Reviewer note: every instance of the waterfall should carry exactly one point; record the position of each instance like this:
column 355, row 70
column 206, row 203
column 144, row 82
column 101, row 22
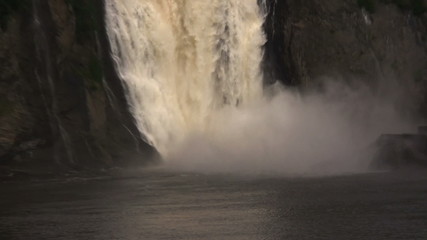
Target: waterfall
column 183, row 61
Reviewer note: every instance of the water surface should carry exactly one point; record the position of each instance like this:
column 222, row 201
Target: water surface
column 162, row 205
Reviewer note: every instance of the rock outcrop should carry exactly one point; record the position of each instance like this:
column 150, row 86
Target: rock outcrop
column 400, row 151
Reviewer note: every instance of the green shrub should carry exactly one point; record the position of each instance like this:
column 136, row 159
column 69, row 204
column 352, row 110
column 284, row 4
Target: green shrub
column 9, row 7
column 5, row 106
column 86, row 14
column 95, row 73
column 417, row 7
column 92, row 72
column 368, row 5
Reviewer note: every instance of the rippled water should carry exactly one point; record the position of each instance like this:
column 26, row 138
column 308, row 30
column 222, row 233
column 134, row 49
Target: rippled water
column 159, row 205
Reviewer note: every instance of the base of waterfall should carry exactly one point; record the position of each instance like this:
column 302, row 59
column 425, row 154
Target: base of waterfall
column 332, row 132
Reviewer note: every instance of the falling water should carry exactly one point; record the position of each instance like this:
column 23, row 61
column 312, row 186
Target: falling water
column 184, row 61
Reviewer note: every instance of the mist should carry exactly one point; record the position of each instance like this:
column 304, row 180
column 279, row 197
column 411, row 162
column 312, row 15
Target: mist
column 327, row 132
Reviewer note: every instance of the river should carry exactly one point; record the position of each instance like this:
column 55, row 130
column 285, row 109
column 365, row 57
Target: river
column 150, row 204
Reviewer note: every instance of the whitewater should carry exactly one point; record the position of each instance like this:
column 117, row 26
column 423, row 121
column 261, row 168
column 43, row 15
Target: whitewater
column 184, row 61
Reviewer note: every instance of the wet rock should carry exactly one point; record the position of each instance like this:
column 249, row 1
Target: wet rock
column 422, row 130
column 401, row 150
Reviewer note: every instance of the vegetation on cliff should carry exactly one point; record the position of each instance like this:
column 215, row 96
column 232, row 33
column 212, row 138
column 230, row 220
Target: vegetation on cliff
column 417, row 7
column 8, row 8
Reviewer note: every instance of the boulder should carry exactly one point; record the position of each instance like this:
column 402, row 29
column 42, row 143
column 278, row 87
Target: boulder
column 401, row 150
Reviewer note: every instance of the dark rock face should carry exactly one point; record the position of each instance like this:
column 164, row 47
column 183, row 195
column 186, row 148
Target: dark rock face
column 61, row 102
column 398, row 151
column 422, row 130
column 384, row 48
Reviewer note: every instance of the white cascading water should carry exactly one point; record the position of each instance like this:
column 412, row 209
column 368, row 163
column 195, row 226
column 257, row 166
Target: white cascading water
column 183, row 61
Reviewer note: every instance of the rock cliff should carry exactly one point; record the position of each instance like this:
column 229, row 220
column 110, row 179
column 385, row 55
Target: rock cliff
column 379, row 43
column 61, row 102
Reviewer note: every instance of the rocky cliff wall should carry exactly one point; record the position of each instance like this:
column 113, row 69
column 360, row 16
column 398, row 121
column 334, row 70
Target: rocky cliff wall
column 375, row 42
column 61, row 103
